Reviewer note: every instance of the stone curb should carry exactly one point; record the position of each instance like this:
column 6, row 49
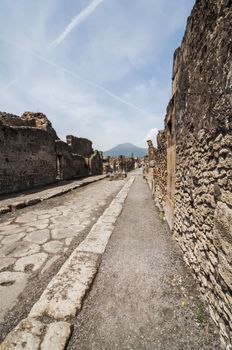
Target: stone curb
column 32, row 201
column 64, row 295
column 31, row 334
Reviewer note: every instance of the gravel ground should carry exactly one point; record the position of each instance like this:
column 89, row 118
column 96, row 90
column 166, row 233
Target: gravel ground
column 144, row 296
column 37, row 282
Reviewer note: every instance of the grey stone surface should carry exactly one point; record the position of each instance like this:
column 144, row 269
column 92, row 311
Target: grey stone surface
column 5, row 262
column 39, row 237
column 56, row 337
column 63, row 296
column 23, row 249
column 31, row 334
column 34, row 261
column 13, row 238
column 53, row 247
column 11, row 285
column 50, row 262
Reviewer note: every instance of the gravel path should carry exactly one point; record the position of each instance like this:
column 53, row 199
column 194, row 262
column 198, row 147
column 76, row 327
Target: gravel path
column 144, row 297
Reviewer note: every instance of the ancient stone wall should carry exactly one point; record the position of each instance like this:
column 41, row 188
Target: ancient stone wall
column 203, row 128
column 31, row 153
column 69, row 165
column 80, row 145
column 159, row 188
column 27, row 158
column 95, row 163
column 198, row 127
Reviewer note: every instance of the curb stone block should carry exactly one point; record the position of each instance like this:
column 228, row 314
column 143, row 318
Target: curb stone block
column 31, row 334
column 64, row 294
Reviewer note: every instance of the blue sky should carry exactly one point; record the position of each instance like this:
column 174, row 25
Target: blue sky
column 99, row 69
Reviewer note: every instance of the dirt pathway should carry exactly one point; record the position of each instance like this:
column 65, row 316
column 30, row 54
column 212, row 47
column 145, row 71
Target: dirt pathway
column 144, row 297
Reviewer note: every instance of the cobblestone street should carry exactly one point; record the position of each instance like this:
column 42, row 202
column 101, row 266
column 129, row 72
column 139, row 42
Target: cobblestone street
column 33, row 239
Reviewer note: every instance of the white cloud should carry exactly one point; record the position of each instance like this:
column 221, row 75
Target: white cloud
column 77, row 21
column 151, row 135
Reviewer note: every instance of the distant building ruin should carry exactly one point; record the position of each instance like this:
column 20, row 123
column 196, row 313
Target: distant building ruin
column 190, row 173
column 33, row 155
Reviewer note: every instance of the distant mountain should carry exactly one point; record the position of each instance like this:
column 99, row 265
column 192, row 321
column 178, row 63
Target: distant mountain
column 126, row 149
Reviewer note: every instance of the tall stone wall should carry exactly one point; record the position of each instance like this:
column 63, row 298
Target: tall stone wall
column 27, row 158
column 31, row 153
column 202, row 88
column 198, row 127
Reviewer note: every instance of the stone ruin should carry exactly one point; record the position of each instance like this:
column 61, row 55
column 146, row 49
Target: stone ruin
column 33, row 155
column 119, row 164
column 190, row 171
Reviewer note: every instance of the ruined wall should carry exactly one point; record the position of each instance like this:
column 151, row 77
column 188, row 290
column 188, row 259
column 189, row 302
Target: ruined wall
column 80, row 145
column 27, row 158
column 198, row 126
column 159, row 172
column 31, row 153
column 95, row 163
column 69, row 165
column 196, row 195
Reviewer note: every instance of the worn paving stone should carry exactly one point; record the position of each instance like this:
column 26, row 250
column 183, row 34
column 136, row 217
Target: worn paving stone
column 59, row 233
column 20, row 249
column 31, row 334
column 6, row 222
column 39, row 237
column 39, row 223
column 56, row 337
column 53, row 247
column 24, row 337
column 27, row 217
column 96, row 241
column 63, row 296
column 14, row 283
column 10, row 230
column 35, row 261
column 50, row 262
column 13, row 238
column 68, row 241
column 5, row 262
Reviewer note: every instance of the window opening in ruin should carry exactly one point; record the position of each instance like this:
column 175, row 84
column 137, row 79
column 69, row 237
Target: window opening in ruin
column 169, row 125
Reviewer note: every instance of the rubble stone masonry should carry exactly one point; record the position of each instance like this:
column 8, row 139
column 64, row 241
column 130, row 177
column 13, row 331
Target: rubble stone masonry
column 31, row 154
column 196, row 196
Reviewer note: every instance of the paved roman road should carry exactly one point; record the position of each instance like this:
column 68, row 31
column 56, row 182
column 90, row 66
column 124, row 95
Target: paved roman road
column 143, row 296
column 35, row 239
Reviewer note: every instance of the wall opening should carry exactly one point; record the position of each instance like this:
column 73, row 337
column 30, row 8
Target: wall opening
column 59, row 172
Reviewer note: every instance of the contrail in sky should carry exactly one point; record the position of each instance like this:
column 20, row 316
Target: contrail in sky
column 69, row 72
column 76, row 21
